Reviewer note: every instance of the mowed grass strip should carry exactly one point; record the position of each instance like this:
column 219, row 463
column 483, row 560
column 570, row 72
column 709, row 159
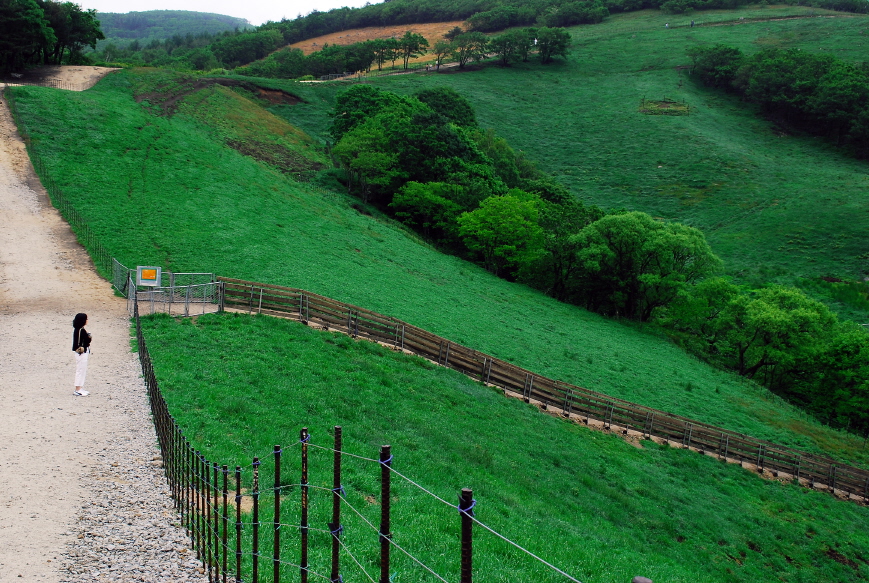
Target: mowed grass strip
column 600, row 508
column 165, row 191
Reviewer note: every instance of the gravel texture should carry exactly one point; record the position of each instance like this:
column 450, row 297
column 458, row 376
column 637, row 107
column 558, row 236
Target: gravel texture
column 84, row 497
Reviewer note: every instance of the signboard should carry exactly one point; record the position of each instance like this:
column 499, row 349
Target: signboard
column 148, row 276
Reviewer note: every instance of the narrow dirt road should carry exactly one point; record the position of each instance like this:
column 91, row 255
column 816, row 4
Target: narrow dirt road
column 83, row 497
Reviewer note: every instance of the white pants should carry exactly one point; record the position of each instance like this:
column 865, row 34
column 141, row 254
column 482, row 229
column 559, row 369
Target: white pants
column 81, row 368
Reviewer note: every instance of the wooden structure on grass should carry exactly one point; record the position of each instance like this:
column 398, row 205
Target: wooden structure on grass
column 558, row 397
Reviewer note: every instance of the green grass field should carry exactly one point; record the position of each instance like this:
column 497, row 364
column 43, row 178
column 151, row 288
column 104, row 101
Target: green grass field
column 166, row 191
column 775, row 205
column 178, row 191
column 592, row 504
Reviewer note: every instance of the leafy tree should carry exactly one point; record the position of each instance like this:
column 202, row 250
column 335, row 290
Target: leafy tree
column 441, row 49
column 366, row 153
column 24, row 33
column 552, row 42
column 73, row 27
column 557, row 268
column 385, row 49
column 526, row 39
column 506, row 46
column 450, row 104
column 716, row 65
column 503, row 231
column 412, row 45
column 358, row 103
column 247, row 47
column 453, row 33
column 632, row 265
column 470, row 46
column 430, row 208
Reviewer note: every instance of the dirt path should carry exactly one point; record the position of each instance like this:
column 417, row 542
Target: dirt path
column 56, row 450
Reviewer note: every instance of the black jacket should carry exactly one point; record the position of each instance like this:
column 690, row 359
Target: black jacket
column 81, row 337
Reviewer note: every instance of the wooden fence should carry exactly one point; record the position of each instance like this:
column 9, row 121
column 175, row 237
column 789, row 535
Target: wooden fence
column 552, row 395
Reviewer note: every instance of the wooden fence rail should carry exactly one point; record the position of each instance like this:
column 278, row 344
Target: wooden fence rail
column 553, row 395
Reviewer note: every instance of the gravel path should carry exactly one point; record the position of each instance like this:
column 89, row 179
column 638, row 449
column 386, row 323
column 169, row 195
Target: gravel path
column 84, row 498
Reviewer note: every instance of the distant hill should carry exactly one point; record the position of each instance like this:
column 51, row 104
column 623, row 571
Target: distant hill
column 122, row 29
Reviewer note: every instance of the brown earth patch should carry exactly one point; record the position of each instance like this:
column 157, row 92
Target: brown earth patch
column 840, row 558
column 432, row 32
column 277, row 155
column 167, row 98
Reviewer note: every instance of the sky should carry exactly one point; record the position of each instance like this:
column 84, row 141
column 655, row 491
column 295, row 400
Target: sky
column 256, row 11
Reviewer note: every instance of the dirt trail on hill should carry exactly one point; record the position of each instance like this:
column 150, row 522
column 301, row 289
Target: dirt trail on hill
column 62, row 456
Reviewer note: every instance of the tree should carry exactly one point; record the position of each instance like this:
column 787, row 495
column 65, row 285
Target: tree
column 24, row 33
column 552, row 42
column 559, row 265
column 470, row 46
column 632, row 265
column 450, row 104
column 506, row 46
column 430, row 208
column 385, row 49
column 441, row 49
column 453, row 33
column 366, row 154
column 412, row 45
column 716, row 65
column 73, row 27
column 503, row 231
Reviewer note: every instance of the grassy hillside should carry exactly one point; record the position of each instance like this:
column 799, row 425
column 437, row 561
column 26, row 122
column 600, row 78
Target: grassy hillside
column 598, row 507
column 774, row 204
column 166, row 190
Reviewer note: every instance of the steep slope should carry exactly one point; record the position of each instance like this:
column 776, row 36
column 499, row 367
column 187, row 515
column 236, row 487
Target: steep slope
column 165, row 190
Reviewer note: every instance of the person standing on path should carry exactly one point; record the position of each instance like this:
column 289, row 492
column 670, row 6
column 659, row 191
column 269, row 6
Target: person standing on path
column 81, row 343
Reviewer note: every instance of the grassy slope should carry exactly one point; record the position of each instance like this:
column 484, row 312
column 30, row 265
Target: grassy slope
column 172, row 195
column 572, row 495
column 774, row 206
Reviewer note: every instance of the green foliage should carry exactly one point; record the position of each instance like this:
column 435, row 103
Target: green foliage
column 74, row 29
column 503, row 231
column 24, row 33
column 123, row 29
column 412, row 45
column 470, row 46
column 552, row 42
column 235, row 50
column 818, row 92
column 450, row 104
column 431, row 208
column 716, row 65
column 632, row 265
column 791, row 343
column 43, row 31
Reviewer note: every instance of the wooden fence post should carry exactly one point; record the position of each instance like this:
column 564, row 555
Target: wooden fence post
column 466, row 509
column 255, row 495
column 335, row 526
column 385, row 534
column 303, row 522
column 276, row 523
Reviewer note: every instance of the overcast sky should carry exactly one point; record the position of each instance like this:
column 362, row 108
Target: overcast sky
column 256, row 11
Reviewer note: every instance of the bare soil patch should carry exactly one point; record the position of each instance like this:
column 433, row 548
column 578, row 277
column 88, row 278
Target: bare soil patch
column 77, row 77
column 167, row 97
column 432, row 32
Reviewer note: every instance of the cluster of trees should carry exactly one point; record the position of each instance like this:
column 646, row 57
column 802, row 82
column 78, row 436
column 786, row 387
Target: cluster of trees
column 201, row 51
column 783, row 339
column 818, row 93
column 424, row 160
column 458, row 45
column 163, row 24
column 44, row 32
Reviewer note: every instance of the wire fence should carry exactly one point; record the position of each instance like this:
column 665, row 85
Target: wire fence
column 239, row 519
column 52, row 83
